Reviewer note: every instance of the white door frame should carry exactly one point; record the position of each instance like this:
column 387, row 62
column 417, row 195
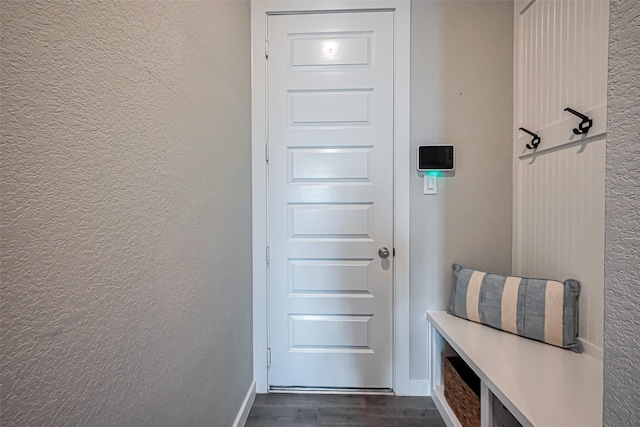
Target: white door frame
column 402, row 169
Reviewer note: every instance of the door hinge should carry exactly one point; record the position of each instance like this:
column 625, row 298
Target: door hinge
column 394, row 251
column 268, row 357
column 266, row 49
column 266, row 151
column 268, row 255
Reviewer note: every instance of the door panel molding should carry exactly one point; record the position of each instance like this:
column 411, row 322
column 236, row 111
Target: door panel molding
column 259, row 12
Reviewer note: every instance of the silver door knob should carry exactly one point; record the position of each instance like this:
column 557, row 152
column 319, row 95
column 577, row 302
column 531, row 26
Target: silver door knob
column 383, row 252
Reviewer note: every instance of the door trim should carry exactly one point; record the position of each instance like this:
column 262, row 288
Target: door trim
column 402, row 169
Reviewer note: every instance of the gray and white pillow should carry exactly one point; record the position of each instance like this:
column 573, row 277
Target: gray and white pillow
column 543, row 310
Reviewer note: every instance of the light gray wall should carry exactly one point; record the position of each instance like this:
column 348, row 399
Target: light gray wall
column 622, row 220
column 126, row 270
column 461, row 94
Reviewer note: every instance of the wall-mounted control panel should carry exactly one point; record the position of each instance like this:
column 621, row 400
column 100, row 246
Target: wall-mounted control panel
column 436, row 158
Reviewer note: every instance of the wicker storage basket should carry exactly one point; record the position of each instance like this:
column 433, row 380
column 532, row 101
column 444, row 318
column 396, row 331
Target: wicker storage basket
column 462, row 391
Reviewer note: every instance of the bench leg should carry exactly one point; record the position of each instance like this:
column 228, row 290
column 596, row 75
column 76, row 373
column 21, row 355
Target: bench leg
column 486, row 406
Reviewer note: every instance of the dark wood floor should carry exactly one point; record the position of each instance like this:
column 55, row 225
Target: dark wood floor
column 306, row 410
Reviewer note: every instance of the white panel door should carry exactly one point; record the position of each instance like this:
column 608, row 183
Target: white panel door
column 330, row 198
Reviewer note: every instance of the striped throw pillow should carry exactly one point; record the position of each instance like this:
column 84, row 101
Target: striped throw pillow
column 543, row 310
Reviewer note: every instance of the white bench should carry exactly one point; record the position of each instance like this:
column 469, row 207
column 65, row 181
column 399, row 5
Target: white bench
column 541, row 385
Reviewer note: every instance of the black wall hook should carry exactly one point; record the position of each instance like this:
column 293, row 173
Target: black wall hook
column 534, row 142
column 584, row 125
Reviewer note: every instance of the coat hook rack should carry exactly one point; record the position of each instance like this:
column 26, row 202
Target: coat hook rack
column 584, row 125
column 534, row 142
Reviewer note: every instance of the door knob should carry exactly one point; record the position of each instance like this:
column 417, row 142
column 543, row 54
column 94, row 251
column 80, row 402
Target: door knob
column 383, row 252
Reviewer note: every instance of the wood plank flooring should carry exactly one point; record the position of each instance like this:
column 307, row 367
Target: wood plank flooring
column 307, row 410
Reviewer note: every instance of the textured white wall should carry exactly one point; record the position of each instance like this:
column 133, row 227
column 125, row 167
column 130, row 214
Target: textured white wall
column 622, row 221
column 126, row 271
column 461, row 94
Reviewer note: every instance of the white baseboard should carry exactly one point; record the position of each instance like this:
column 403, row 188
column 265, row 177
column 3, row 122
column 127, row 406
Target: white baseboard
column 592, row 350
column 243, row 413
column 419, row 388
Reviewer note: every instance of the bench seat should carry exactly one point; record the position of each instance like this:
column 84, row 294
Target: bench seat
column 541, row 385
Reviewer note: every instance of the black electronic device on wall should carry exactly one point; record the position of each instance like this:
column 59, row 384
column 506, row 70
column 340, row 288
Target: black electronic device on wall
column 436, row 158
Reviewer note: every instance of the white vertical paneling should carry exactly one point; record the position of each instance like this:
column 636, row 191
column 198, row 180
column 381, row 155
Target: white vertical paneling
column 574, row 42
column 561, row 61
column 565, row 58
column 561, row 232
column 563, row 49
column 593, row 26
column 601, row 49
column 548, row 61
column 529, row 83
column 537, row 65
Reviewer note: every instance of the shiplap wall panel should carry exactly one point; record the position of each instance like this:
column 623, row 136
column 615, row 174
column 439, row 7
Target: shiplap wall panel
column 560, row 225
column 561, row 61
